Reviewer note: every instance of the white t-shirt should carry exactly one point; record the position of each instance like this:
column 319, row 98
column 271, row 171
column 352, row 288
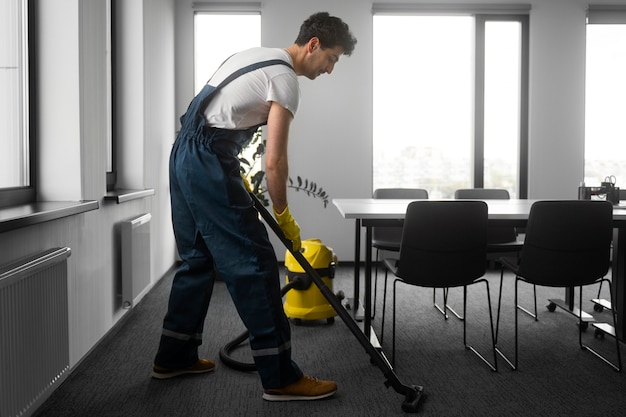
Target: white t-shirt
column 246, row 101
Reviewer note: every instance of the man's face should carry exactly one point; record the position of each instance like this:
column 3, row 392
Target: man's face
column 321, row 60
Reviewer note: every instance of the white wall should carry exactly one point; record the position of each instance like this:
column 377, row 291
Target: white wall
column 71, row 126
column 557, row 80
column 130, row 106
column 331, row 135
column 59, row 125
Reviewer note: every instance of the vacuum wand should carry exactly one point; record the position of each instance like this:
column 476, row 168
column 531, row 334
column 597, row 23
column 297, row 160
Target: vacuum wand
column 412, row 393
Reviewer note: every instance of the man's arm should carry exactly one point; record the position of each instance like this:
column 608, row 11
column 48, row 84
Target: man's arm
column 276, row 155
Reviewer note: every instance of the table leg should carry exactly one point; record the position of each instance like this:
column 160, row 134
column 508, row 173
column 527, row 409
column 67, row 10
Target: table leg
column 357, row 265
column 367, row 325
column 569, row 297
column 618, row 280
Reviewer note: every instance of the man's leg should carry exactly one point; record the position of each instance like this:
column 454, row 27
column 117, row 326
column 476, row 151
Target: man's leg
column 191, row 289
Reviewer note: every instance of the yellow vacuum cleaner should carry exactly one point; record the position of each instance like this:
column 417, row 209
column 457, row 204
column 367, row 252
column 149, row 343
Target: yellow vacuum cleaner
column 305, row 301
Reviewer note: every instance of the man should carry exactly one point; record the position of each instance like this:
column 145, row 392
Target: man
column 217, row 228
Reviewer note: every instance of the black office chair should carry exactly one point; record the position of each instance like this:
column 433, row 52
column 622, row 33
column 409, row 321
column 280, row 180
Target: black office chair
column 567, row 245
column 388, row 238
column 443, row 245
column 501, row 240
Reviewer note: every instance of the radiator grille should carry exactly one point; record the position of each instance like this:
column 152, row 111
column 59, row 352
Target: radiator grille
column 135, row 259
column 34, row 330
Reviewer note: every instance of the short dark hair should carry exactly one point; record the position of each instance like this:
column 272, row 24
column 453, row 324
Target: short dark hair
column 330, row 30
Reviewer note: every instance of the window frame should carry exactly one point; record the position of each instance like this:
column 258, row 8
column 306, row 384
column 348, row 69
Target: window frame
column 111, row 176
column 27, row 194
column 479, row 95
column 483, row 14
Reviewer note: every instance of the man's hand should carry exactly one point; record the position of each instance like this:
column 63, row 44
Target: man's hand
column 290, row 227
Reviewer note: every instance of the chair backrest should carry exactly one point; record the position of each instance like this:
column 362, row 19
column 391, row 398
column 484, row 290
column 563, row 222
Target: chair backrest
column 567, row 242
column 482, row 194
column 405, row 193
column 392, row 235
column 496, row 234
column 443, row 243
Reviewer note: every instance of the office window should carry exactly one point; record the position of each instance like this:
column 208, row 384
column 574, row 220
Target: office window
column 219, row 35
column 605, row 101
column 16, row 75
column 502, row 105
column 449, row 102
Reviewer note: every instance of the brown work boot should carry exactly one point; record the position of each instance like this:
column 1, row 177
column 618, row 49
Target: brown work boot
column 305, row 389
column 200, row 367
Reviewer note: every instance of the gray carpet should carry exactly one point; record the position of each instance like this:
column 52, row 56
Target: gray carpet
column 555, row 377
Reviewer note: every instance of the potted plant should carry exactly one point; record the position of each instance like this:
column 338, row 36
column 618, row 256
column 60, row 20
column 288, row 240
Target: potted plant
column 250, row 160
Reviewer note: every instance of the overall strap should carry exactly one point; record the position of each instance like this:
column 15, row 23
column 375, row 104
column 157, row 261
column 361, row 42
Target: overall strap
column 251, row 67
column 239, row 73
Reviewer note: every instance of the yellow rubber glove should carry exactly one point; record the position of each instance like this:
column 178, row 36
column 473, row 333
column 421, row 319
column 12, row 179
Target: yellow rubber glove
column 290, row 228
column 246, row 183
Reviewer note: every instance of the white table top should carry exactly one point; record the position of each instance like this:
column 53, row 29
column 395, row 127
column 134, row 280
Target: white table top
column 370, row 208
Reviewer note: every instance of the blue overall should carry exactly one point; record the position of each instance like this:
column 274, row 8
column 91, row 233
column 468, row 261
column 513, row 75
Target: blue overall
column 218, row 231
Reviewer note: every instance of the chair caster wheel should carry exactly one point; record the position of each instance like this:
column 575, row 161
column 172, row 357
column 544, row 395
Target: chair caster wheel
column 598, row 308
column 599, row 334
column 330, row 320
column 583, row 325
column 551, row 307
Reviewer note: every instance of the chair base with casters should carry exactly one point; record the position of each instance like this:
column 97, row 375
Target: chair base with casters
column 600, row 304
column 568, row 306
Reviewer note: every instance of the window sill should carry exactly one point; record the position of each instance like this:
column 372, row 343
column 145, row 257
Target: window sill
column 122, row 196
column 24, row 215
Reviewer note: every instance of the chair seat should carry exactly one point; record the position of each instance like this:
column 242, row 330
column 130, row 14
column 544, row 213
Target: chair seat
column 390, row 245
column 510, row 263
column 387, row 238
column 391, row 263
column 515, row 246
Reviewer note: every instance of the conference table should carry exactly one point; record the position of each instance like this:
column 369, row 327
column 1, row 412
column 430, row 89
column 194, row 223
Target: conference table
column 369, row 212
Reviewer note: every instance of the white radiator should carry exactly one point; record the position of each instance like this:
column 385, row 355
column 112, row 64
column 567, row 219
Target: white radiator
column 34, row 330
column 135, row 259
